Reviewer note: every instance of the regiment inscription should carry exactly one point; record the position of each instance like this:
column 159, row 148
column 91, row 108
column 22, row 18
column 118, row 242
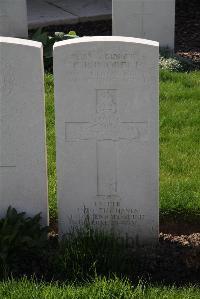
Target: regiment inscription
column 106, row 128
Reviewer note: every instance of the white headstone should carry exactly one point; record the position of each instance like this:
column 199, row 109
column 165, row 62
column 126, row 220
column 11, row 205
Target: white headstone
column 23, row 176
column 106, row 99
column 150, row 19
column 13, row 18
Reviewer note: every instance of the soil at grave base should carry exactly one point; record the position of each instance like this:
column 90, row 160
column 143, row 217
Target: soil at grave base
column 170, row 225
column 176, row 258
column 187, row 32
column 178, row 253
column 188, row 26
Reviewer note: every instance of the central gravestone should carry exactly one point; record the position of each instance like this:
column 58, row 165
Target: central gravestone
column 106, row 97
column 13, row 18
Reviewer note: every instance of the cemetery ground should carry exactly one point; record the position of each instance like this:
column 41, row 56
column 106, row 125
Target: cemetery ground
column 99, row 289
column 87, row 264
column 179, row 150
column 178, row 253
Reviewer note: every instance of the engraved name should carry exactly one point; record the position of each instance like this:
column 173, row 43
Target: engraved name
column 114, row 65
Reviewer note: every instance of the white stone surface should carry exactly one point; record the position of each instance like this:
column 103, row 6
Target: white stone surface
column 44, row 13
column 106, row 99
column 86, row 10
column 23, row 175
column 58, row 12
column 13, row 18
column 150, row 19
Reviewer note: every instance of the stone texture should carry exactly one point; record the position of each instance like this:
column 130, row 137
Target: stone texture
column 58, row 12
column 86, row 10
column 44, row 13
column 150, row 19
column 13, row 18
column 23, row 176
column 106, row 98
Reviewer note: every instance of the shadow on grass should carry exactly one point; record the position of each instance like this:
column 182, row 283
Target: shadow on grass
column 87, row 254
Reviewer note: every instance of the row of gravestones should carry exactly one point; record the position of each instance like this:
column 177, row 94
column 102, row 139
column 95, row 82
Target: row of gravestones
column 150, row 19
column 106, row 100
column 106, row 107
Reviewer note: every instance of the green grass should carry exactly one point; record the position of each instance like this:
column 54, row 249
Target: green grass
column 51, row 144
column 179, row 144
column 99, row 289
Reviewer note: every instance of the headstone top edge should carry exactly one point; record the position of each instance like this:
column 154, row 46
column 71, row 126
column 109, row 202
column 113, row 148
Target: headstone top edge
column 20, row 41
column 107, row 39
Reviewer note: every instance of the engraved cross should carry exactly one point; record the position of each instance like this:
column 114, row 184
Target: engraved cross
column 142, row 16
column 107, row 130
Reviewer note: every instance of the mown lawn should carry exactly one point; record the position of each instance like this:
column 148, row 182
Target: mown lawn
column 179, row 144
column 99, row 289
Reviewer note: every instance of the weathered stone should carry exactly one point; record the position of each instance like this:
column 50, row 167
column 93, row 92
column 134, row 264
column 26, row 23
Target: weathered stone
column 106, row 97
column 150, row 19
column 23, row 177
column 13, row 18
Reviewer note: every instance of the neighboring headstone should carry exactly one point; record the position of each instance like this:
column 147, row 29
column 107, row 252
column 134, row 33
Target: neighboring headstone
column 13, row 18
column 23, row 175
column 149, row 19
column 106, row 99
